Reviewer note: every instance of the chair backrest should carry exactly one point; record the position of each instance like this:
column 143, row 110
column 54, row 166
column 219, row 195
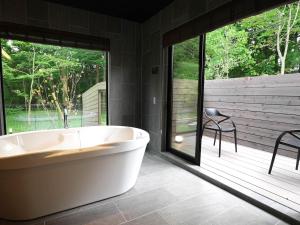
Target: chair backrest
column 212, row 112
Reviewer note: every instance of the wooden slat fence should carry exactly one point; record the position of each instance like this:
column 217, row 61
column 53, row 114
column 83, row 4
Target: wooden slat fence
column 93, row 104
column 262, row 107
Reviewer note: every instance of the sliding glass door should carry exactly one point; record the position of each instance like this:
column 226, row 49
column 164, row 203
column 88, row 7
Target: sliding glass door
column 184, row 87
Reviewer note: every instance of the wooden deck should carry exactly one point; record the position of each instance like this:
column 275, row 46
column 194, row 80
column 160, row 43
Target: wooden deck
column 249, row 169
column 262, row 107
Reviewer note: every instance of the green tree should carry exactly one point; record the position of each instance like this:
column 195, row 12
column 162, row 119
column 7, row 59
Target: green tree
column 227, row 49
column 263, row 30
column 186, row 59
column 287, row 19
column 50, row 75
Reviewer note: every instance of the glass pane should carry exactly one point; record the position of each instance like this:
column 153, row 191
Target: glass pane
column 252, row 76
column 185, row 95
column 40, row 81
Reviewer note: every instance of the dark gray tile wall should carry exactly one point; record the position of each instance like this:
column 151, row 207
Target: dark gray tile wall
column 153, row 84
column 125, row 55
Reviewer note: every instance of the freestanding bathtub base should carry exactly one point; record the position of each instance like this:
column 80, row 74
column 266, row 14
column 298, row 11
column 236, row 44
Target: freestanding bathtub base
column 37, row 183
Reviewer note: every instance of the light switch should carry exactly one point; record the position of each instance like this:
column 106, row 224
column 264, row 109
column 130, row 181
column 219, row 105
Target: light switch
column 154, row 100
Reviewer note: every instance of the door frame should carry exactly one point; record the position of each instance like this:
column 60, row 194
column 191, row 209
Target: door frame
column 2, row 108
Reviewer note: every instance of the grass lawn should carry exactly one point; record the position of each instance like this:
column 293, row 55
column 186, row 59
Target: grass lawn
column 16, row 120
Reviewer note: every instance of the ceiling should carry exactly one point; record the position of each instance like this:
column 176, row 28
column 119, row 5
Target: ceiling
column 138, row 11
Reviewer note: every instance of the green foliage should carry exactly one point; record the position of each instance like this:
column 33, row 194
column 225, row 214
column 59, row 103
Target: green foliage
column 186, row 70
column 245, row 48
column 227, row 49
column 46, row 64
column 186, row 58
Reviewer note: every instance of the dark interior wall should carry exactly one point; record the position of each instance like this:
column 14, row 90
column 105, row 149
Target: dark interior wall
column 124, row 35
column 154, row 84
column 155, row 56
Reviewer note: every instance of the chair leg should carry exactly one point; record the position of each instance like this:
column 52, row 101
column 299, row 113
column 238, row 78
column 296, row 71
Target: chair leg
column 220, row 141
column 273, row 157
column 298, row 159
column 201, row 133
column 215, row 137
column 235, row 141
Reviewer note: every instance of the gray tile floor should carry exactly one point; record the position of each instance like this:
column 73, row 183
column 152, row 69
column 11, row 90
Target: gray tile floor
column 163, row 195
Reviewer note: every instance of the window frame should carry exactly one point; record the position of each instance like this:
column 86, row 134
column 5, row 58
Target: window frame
column 3, row 127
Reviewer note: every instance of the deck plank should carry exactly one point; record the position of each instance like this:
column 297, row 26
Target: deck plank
column 248, row 168
column 250, row 171
column 260, row 165
column 254, row 188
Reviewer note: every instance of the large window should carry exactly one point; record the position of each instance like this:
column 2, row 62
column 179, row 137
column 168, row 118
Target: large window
column 41, row 80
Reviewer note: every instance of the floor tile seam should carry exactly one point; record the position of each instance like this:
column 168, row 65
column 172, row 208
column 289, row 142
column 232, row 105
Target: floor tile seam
column 121, row 213
column 162, row 208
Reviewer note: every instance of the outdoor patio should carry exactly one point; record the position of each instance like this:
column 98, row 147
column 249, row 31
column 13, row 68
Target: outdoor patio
column 248, row 168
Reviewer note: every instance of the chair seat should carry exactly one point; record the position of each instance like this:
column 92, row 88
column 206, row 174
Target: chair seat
column 291, row 142
column 223, row 129
column 213, row 119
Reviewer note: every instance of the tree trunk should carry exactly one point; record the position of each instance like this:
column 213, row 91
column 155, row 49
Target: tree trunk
column 31, row 88
column 226, row 55
column 97, row 74
column 57, row 105
column 282, row 69
column 65, row 89
column 289, row 24
column 25, row 97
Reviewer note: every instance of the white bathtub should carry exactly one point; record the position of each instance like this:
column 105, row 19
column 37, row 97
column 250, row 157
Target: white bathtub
column 45, row 172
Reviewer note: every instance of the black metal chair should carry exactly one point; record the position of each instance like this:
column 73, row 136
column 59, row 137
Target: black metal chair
column 215, row 125
column 293, row 143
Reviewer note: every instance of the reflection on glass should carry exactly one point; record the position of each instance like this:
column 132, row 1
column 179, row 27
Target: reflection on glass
column 185, row 95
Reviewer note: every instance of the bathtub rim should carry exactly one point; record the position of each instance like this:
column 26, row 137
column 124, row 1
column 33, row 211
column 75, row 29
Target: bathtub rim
column 40, row 158
column 67, row 129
